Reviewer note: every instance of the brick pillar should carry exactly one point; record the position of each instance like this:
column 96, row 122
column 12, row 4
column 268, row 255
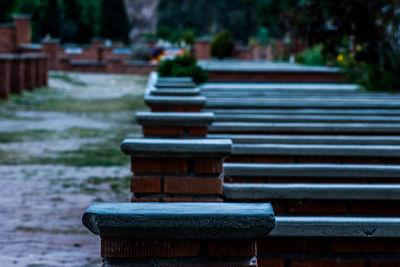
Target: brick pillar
column 64, row 63
column 105, row 52
column 114, row 65
column 22, row 29
column 175, row 103
column 5, row 76
column 179, row 234
column 30, row 72
column 17, row 74
column 97, row 43
column 38, row 70
column 50, row 48
column 44, row 71
column 173, row 170
column 175, row 124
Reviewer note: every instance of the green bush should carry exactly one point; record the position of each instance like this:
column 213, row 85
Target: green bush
column 222, row 45
column 182, row 66
column 312, row 56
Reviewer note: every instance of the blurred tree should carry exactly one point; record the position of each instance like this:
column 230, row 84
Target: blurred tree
column 113, row 21
column 51, row 18
column 6, row 9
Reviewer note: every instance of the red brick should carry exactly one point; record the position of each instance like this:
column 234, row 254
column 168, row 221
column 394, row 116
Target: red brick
column 290, row 244
column 198, row 131
column 320, row 159
column 162, row 130
column 207, row 199
column 363, row 160
column 159, row 109
column 270, row 262
column 146, row 184
column 193, row 109
column 385, row 263
column 317, row 207
column 327, row 263
column 237, row 248
column 364, row 245
column 145, row 199
column 159, row 165
column 121, row 247
column 365, row 207
column 177, row 199
column 208, row 165
column 273, row 159
column 177, row 109
column 186, row 185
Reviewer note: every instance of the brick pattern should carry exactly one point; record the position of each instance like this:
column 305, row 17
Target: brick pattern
column 176, row 179
column 5, row 78
column 174, row 131
column 331, row 252
column 236, row 253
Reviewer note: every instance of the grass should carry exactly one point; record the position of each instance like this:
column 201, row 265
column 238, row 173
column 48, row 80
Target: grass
column 23, row 136
column 67, row 78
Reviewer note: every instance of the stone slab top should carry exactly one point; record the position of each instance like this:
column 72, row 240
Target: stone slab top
column 280, row 127
column 192, row 101
column 174, row 85
column 152, row 147
column 282, row 86
column 317, row 150
column 245, row 191
column 308, row 139
column 336, row 226
column 312, row 170
column 175, row 118
column 176, row 92
column 174, row 79
column 180, row 220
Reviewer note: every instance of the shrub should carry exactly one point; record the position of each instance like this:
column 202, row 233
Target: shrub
column 188, row 37
column 141, row 52
column 312, row 56
column 222, row 44
column 182, row 66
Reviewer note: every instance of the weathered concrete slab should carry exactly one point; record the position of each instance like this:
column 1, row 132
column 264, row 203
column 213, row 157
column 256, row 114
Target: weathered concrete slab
column 174, row 85
column 175, row 118
column 279, row 87
column 244, row 191
column 305, row 118
column 176, row 92
column 309, row 111
column 317, row 150
column 329, row 128
column 309, row 139
column 312, row 170
column 180, row 220
column 177, row 147
column 174, row 79
column 315, row 226
column 195, row 101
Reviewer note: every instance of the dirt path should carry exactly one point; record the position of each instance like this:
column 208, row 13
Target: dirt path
column 59, row 152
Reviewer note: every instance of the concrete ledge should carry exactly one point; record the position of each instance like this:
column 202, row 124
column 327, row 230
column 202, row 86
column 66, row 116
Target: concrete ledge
column 176, row 92
column 312, row 191
column 280, row 87
column 308, row 139
column 312, row 170
column 175, row 118
column 317, row 150
column 174, row 85
column 180, row 220
column 252, row 127
column 313, row 226
column 306, row 118
column 174, row 79
column 177, row 147
column 195, row 101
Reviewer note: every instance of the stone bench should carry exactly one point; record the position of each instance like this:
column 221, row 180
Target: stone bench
column 185, row 79
column 179, row 234
column 175, row 92
column 175, row 124
column 160, row 85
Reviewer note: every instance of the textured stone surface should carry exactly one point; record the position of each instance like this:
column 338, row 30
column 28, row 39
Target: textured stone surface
column 176, row 92
column 312, row 170
column 174, row 85
column 176, row 147
column 195, row 101
column 332, row 226
column 175, row 118
column 312, row 191
column 180, row 220
column 174, row 79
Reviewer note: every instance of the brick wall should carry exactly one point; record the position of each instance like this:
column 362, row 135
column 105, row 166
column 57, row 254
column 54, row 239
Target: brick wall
column 7, row 37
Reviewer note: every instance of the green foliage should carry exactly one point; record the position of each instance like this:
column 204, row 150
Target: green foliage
column 188, row 37
column 222, row 45
column 165, row 32
column 114, row 21
column 182, row 66
column 6, row 8
column 312, row 56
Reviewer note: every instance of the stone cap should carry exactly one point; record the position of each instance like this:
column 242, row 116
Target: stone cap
column 245, row 191
column 176, row 92
column 185, row 79
column 154, row 148
column 194, row 101
column 174, row 84
column 312, row 170
column 317, row 150
column 175, row 118
column 180, row 220
column 336, row 226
